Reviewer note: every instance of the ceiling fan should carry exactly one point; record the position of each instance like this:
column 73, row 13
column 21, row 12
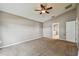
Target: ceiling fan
column 44, row 9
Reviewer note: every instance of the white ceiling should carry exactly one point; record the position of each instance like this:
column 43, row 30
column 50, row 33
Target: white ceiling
column 27, row 10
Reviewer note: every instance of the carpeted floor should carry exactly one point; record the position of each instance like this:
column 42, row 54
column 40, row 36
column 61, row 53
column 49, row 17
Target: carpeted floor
column 41, row 47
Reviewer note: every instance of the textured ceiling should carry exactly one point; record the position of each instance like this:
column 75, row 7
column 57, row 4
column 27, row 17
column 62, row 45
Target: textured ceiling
column 27, row 10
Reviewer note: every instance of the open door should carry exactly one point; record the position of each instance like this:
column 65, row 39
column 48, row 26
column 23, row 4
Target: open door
column 55, row 30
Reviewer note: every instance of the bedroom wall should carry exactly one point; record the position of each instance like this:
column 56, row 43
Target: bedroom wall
column 61, row 19
column 15, row 29
column 47, row 29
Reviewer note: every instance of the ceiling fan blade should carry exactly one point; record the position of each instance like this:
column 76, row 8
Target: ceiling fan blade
column 42, row 6
column 49, row 8
column 47, row 12
column 37, row 10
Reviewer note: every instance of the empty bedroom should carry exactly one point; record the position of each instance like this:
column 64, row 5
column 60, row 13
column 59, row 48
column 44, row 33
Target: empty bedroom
column 39, row 29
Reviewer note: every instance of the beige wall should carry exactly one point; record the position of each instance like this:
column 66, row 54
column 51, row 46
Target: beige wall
column 16, row 29
column 62, row 19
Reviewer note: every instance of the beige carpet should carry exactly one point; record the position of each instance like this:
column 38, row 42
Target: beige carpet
column 41, row 47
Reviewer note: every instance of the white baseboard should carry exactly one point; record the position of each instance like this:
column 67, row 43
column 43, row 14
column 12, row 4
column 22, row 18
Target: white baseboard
column 19, row 42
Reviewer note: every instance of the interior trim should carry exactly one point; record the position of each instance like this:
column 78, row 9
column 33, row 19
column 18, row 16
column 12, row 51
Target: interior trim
column 20, row 42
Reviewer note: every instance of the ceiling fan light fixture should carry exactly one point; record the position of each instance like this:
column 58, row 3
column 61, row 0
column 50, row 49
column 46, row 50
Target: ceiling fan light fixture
column 43, row 11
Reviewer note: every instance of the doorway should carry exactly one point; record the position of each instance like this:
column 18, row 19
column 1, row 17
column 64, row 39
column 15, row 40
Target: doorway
column 55, row 30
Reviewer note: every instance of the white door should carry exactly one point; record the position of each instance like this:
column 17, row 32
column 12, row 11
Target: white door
column 70, row 31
